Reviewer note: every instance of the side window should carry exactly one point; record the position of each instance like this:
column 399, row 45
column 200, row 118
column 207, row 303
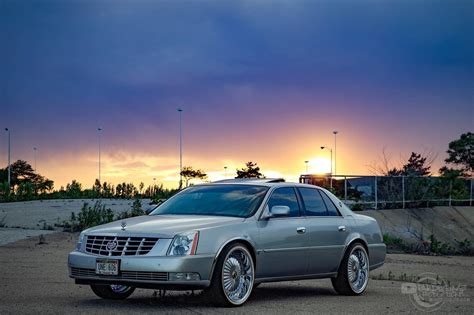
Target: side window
column 313, row 202
column 332, row 210
column 285, row 197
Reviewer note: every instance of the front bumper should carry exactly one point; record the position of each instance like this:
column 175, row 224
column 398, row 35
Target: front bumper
column 143, row 271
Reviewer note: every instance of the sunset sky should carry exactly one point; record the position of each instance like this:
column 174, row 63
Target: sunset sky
column 265, row 81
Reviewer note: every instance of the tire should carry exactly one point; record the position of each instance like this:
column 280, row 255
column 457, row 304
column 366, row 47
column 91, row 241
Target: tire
column 112, row 292
column 233, row 277
column 353, row 274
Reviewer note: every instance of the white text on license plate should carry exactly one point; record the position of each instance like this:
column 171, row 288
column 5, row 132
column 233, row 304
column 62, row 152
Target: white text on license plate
column 107, row 267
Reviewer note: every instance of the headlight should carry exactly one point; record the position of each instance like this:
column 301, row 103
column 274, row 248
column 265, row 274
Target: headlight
column 80, row 241
column 184, row 244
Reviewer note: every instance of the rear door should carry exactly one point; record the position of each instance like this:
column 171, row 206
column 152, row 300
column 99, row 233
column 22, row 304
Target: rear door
column 327, row 231
column 283, row 239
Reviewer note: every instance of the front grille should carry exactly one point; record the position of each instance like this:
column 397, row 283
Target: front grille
column 124, row 275
column 119, row 245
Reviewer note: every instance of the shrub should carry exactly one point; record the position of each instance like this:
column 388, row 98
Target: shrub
column 89, row 217
column 437, row 247
column 464, row 247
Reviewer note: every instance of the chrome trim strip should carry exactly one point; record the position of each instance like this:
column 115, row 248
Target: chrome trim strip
column 299, row 277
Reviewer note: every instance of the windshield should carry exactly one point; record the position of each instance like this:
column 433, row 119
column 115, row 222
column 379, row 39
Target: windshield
column 220, row 200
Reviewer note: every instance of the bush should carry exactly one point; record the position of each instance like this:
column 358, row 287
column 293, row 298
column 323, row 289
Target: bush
column 135, row 212
column 89, row 217
column 437, row 247
column 464, row 247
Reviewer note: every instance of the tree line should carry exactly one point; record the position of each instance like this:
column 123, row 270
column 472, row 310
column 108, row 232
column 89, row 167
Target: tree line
column 26, row 184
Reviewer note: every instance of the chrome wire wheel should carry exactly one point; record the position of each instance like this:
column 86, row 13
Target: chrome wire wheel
column 117, row 288
column 358, row 269
column 238, row 275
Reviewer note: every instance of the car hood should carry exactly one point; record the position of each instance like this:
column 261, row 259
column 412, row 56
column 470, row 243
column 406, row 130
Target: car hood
column 162, row 226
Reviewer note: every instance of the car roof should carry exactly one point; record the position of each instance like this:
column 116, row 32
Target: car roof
column 269, row 182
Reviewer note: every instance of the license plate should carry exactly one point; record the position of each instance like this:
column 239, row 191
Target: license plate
column 107, row 267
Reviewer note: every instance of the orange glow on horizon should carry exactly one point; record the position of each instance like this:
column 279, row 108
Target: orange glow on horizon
column 319, row 165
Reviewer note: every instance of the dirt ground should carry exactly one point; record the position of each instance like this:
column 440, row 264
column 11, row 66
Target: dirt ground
column 34, row 279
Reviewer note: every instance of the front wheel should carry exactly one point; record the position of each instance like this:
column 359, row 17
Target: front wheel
column 112, row 292
column 353, row 274
column 233, row 277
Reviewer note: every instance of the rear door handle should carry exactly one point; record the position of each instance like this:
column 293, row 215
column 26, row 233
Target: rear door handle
column 342, row 228
column 301, row 230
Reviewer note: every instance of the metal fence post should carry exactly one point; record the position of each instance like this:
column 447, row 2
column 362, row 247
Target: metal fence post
column 450, row 190
column 345, row 189
column 375, row 192
column 403, row 191
column 470, row 199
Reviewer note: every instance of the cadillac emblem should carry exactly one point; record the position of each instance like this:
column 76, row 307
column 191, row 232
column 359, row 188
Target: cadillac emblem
column 111, row 245
column 124, row 225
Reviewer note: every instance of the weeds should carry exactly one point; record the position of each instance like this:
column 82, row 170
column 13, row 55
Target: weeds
column 99, row 214
column 432, row 246
column 464, row 247
column 89, row 217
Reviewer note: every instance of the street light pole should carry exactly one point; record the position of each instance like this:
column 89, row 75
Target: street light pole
column 330, row 150
column 9, row 157
column 180, row 111
column 225, row 171
column 335, row 132
column 306, row 162
column 99, row 130
column 34, row 155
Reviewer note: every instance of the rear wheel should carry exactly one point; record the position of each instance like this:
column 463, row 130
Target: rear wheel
column 112, row 292
column 233, row 277
column 353, row 274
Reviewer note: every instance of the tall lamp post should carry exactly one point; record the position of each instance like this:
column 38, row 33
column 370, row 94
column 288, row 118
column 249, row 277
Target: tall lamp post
column 306, row 162
column 99, row 131
column 330, row 150
column 180, row 111
column 335, row 132
column 225, row 171
column 34, row 156
column 9, row 157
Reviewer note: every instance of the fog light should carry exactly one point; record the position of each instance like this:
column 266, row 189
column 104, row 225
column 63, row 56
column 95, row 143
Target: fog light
column 184, row 276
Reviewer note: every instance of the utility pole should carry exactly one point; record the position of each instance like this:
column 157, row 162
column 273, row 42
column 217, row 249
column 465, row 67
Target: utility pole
column 9, row 160
column 330, row 150
column 335, row 132
column 180, row 111
column 34, row 155
column 99, row 130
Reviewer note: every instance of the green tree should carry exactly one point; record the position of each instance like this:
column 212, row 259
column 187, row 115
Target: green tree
column 189, row 173
column 74, row 189
column 416, row 166
column 461, row 152
column 251, row 170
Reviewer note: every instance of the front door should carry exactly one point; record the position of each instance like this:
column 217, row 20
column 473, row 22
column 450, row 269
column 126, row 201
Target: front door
column 282, row 240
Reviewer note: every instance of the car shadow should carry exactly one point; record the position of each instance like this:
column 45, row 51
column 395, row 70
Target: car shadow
column 186, row 299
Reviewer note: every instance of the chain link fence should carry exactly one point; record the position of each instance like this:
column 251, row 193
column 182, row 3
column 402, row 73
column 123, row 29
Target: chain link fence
column 394, row 192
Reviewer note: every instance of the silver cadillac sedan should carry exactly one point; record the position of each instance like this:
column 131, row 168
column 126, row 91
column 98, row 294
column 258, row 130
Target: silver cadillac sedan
column 228, row 237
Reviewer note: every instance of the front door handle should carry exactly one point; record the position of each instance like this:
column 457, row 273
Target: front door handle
column 301, row 230
column 342, row 228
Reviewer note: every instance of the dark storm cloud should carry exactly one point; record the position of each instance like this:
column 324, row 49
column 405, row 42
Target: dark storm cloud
column 70, row 66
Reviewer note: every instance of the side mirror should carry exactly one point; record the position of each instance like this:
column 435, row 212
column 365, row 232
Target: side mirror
column 279, row 211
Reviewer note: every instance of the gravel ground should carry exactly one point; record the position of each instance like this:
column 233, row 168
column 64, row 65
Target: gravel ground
column 34, row 279
column 8, row 235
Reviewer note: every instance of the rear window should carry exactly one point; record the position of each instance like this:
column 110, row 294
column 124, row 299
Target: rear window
column 332, row 210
